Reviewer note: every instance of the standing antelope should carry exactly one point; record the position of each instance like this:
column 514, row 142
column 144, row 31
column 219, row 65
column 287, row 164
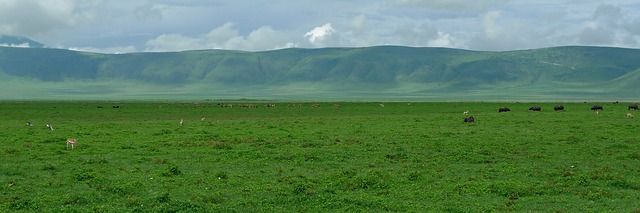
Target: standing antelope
column 465, row 112
column 72, row 142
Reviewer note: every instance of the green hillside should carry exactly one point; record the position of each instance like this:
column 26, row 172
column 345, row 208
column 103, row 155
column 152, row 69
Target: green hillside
column 371, row 73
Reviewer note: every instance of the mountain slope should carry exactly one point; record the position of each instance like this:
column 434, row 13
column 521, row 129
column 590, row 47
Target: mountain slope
column 337, row 72
column 17, row 41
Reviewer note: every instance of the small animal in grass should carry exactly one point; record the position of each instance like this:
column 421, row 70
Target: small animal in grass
column 470, row 119
column 72, row 142
column 596, row 108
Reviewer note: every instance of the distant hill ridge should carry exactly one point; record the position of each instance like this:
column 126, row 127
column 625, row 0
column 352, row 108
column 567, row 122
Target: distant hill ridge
column 571, row 71
column 18, row 41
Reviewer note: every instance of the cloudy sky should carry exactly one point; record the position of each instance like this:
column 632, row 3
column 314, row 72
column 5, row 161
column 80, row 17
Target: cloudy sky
column 113, row 26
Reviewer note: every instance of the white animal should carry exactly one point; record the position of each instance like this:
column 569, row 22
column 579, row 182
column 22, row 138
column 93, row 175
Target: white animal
column 72, row 142
column 50, row 127
column 629, row 115
column 181, row 122
column 466, row 112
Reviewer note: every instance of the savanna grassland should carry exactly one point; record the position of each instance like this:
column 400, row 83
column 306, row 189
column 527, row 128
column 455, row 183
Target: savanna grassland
column 361, row 157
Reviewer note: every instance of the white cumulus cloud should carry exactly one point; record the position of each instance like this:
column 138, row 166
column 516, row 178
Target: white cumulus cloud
column 23, row 45
column 224, row 37
column 108, row 50
column 319, row 33
column 29, row 17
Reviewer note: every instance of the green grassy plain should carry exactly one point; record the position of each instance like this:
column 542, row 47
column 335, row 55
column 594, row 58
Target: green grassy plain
column 417, row 157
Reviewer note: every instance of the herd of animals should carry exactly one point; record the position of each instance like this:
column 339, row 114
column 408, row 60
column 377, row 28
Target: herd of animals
column 72, row 141
column 596, row 108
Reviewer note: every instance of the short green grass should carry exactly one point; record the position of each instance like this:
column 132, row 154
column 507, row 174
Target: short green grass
column 417, row 157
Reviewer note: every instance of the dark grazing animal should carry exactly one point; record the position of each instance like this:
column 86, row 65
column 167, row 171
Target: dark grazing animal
column 559, row 107
column 596, row 108
column 633, row 107
column 504, row 109
column 535, row 108
column 469, row 119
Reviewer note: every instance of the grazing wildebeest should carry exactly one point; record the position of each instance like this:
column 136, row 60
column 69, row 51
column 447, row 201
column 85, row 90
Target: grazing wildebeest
column 596, row 107
column 469, row 119
column 633, row 107
column 535, row 108
column 504, row 109
column 559, row 107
